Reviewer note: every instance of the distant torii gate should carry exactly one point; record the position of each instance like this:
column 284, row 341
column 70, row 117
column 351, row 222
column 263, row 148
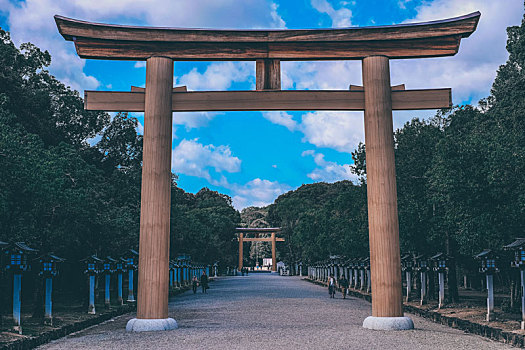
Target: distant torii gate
column 375, row 46
column 257, row 231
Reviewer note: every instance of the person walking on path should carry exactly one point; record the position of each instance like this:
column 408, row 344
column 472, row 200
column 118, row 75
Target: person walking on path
column 204, row 282
column 331, row 286
column 343, row 283
column 194, row 284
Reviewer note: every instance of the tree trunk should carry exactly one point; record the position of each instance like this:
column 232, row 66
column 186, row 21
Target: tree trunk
column 453, row 294
column 38, row 298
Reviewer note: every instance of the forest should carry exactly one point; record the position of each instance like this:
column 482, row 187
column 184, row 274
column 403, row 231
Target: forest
column 71, row 178
column 460, row 184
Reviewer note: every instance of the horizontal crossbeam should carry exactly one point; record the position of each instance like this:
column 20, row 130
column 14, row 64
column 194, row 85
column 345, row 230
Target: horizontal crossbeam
column 258, row 229
column 268, row 239
column 287, row 100
column 106, row 41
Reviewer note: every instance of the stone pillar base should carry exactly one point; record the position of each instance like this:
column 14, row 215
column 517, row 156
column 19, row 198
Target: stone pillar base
column 148, row 325
column 388, row 323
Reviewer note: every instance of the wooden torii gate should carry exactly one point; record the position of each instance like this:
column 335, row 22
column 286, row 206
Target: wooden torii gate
column 375, row 46
column 257, row 231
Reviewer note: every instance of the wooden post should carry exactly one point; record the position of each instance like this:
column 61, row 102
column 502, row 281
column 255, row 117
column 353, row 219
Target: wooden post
column 490, row 297
column 152, row 297
column 106, row 290
column 385, row 259
column 241, row 236
column 48, row 305
column 17, row 301
column 522, row 274
column 274, row 260
column 423, row 300
column 91, row 307
column 119, row 288
column 441, row 279
column 268, row 74
column 409, row 284
column 131, row 297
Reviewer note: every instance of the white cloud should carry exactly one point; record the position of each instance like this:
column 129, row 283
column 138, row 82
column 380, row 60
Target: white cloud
column 195, row 159
column 140, row 64
column 471, row 72
column 193, row 120
column 340, row 18
column 329, row 171
column 281, row 118
column 32, row 20
column 257, row 192
column 217, row 76
column 341, row 131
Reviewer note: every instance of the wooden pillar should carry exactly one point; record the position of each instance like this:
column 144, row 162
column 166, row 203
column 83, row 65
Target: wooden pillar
column 274, row 260
column 241, row 236
column 441, row 297
column 268, row 74
column 152, row 297
column 490, row 297
column 383, row 224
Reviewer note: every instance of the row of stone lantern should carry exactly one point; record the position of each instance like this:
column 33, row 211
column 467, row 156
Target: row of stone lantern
column 106, row 267
column 182, row 271
column 18, row 258
column 356, row 271
column 423, row 264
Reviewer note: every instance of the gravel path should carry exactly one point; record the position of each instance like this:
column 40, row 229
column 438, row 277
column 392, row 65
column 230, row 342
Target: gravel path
column 263, row 311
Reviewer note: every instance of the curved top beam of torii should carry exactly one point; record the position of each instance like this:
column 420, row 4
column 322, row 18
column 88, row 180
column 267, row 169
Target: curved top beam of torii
column 117, row 42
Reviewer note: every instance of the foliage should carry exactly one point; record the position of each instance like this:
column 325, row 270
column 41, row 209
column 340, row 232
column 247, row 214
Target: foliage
column 71, row 178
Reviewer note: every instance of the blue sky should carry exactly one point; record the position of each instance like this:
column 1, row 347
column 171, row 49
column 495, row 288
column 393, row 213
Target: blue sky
column 255, row 156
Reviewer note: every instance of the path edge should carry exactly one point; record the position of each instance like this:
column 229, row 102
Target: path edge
column 46, row 337
column 486, row 331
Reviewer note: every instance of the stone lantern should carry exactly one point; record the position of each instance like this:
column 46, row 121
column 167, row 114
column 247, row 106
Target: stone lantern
column 93, row 266
column 407, row 265
column 366, row 262
column 518, row 246
column 171, row 270
column 215, row 266
column 131, row 259
column 362, row 274
column 119, row 269
column 176, row 273
column 17, row 263
column 48, row 270
column 422, row 267
column 441, row 262
column 108, row 269
column 350, row 264
column 184, row 271
column 487, row 259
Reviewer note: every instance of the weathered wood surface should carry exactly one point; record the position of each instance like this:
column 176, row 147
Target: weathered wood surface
column 268, row 75
column 287, row 100
column 385, row 260
column 274, row 255
column 258, row 229
column 269, row 239
column 241, row 253
column 175, row 89
column 154, row 241
column 399, row 87
column 430, row 39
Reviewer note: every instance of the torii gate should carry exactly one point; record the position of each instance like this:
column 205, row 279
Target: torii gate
column 257, row 231
column 375, row 46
